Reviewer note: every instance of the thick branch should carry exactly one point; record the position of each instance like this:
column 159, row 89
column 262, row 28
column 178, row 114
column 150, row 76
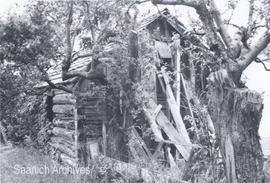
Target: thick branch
column 50, row 83
column 82, row 56
column 220, row 23
column 59, row 87
column 260, row 61
column 207, row 19
column 255, row 49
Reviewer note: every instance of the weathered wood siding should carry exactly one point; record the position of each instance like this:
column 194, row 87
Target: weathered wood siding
column 90, row 119
column 63, row 138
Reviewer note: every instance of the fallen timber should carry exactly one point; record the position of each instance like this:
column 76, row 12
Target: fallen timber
column 159, row 121
column 174, row 108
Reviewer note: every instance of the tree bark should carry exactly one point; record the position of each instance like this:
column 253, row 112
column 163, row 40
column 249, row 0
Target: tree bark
column 236, row 115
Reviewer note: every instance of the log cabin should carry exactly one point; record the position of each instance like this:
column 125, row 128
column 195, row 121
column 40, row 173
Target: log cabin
column 81, row 127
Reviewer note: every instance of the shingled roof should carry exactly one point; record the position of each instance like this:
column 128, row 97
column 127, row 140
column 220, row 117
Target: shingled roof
column 55, row 72
column 172, row 20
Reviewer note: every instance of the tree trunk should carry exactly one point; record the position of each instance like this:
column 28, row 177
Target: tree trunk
column 236, row 114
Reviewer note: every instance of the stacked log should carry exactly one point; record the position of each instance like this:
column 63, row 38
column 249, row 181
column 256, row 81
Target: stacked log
column 66, row 123
column 63, row 132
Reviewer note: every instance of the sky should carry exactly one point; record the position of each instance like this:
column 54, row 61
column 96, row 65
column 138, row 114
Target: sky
column 256, row 77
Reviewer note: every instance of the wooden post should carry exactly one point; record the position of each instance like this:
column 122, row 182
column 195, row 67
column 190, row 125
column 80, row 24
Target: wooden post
column 76, row 133
column 104, row 138
column 178, row 75
column 230, row 161
column 104, row 129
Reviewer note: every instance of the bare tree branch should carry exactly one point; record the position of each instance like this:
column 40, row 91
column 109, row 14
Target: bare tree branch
column 234, row 25
column 255, row 49
column 260, row 61
column 45, row 77
column 266, row 60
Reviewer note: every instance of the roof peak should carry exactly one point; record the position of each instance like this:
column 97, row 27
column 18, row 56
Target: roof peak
column 165, row 11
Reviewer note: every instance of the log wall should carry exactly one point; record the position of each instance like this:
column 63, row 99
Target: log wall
column 77, row 127
column 62, row 142
column 90, row 117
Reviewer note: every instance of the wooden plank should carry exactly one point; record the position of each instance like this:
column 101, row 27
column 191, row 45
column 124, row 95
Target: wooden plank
column 158, row 150
column 90, row 113
column 57, row 92
column 94, row 117
column 63, row 109
column 68, row 160
column 175, row 109
column 104, row 136
column 92, row 148
column 175, row 136
column 62, row 101
column 140, row 140
column 82, row 103
column 138, row 148
column 64, row 117
column 61, row 132
column 62, row 148
column 67, row 124
column 171, row 160
column 76, row 135
column 155, row 128
column 86, row 121
column 64, row 96
column 61, row 140
column 178, row 73
column 89, row 107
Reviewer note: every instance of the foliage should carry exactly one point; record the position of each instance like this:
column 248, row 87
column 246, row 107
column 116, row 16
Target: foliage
column 26, row 125
column 32, row 45
column 28, row 44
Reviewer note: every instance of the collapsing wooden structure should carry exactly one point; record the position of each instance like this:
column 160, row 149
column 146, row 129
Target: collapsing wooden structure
column 80, row 126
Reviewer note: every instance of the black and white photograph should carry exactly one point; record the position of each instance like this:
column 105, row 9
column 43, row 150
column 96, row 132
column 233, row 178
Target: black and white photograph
column 135, row 91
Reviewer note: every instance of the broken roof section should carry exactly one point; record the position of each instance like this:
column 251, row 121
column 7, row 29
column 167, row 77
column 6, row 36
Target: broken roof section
column 55, row 72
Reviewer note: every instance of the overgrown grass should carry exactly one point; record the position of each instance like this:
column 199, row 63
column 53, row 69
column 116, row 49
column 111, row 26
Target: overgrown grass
column 21, row 157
